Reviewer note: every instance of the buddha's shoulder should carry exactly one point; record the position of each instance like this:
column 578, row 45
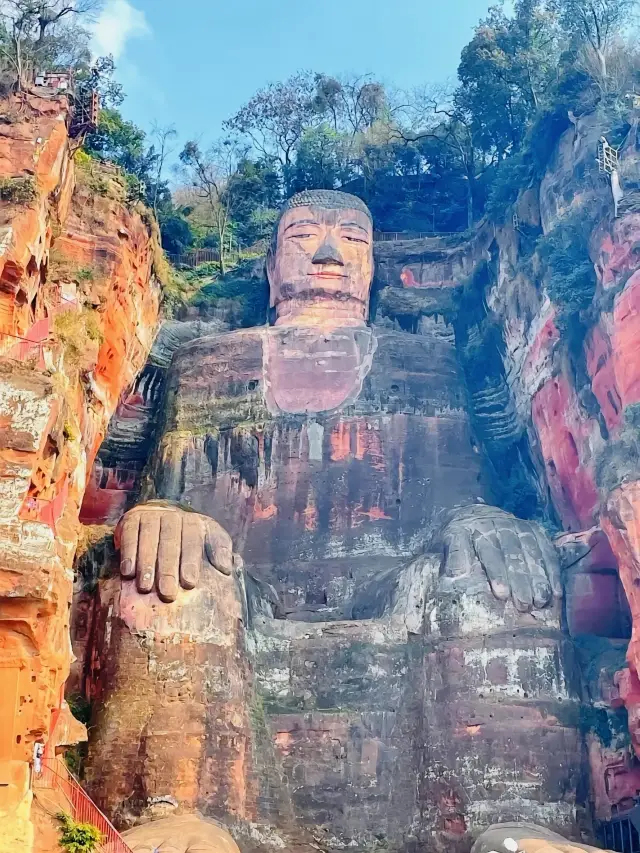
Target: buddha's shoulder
column 241, row 350
column 427, row 349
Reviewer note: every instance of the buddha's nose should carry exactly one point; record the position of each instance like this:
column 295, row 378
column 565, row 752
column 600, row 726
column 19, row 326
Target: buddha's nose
column 328, row 253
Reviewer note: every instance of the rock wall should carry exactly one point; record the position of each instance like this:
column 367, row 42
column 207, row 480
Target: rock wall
column 78, row 310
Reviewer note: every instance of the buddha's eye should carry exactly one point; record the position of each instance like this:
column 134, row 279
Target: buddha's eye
column 355, row 239
column 302, row 236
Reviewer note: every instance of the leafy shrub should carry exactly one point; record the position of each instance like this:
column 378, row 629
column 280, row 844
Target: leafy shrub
column 63, row 268
column 85, row 274
column 511, row 176
column 77, row 837
column 571, row 280
column 80, row 334
column 18, row 190
column 210, row 269
column 135, row 190
column 243, row 286
column 90, row 175
column 619, row 461
column 80, row 707
column 542, row 138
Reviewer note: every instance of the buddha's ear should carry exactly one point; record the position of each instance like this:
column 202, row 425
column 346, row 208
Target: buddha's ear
column 270, row 262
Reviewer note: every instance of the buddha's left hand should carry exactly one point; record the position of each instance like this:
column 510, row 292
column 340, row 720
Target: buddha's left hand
column 516, row 556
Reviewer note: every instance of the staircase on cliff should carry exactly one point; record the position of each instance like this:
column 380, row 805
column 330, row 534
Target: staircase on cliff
column 57, row 790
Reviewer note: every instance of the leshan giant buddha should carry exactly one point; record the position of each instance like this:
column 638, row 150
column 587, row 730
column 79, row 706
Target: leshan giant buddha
column 274, row 653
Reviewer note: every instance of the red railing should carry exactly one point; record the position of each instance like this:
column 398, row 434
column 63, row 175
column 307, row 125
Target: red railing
column 22, row 349
column 54, row 776
column 394, row 236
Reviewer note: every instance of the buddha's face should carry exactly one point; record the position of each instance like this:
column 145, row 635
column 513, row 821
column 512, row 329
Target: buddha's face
column 320, row 272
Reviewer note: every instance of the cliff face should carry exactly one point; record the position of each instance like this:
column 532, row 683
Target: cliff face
column 572, row 373
column 415, row 730
column 78, row 310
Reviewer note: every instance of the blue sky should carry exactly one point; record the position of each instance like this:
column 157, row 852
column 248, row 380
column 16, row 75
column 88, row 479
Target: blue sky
column 193, row 63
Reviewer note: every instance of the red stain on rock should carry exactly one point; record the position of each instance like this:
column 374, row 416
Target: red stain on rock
column 614, row 778
column 601, row 367
column 263, row 513
column 564, row 435
column 612, row 355
column 621, row 522
column 340, row 441
column 542, row 345
column 626, row 336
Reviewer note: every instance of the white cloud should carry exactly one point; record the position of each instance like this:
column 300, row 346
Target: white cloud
column 117, row 23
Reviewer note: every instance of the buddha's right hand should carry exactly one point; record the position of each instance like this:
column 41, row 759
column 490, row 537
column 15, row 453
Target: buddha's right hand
column 164, row 547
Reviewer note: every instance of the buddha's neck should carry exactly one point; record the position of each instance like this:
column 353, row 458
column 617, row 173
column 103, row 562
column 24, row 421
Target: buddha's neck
column 321, row 315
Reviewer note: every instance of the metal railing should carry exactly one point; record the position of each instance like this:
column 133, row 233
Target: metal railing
column 54, row 776
column 393, row 236
column 622, row 832
column 22, row 349
column 196, row 257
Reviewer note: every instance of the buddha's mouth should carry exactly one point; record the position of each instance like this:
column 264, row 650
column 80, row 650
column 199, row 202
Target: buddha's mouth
column 328, row 274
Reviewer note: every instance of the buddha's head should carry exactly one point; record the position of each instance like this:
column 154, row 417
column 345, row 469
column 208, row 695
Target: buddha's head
column 320, row 263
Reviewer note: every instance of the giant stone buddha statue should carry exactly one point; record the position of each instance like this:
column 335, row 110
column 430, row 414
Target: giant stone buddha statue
column 322, row 633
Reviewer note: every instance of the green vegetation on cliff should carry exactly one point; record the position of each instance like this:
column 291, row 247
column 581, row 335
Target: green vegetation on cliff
column 77, row 837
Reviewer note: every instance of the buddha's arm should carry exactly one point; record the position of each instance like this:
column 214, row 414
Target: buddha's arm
column 164, row 546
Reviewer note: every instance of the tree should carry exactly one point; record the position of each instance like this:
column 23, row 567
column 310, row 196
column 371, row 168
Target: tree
column 161, row 150
column 276, row 117
column 595, row 25
column 352, row 104
column 209, row 176
column 99, row 77
column 506, row 72
column 257, row 189
column 121, row 142
column 175, row 230
column 322, row 161
column 38, row 32
column 438, row 116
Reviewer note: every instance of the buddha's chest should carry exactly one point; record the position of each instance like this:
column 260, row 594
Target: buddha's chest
column 270, row 374
column 368, row 475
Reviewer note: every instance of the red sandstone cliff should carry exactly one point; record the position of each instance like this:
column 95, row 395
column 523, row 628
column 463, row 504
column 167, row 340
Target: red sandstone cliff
column 78, row 312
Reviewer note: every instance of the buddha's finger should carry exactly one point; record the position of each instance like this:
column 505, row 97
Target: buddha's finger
column 147, row 551
column 551, row 561
column 540, row 586
column 126, row 539
column 192, row 550
column 488, row 548
column 169, row 547
column 219, row 548
column 459, row 556
column 520, row 579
